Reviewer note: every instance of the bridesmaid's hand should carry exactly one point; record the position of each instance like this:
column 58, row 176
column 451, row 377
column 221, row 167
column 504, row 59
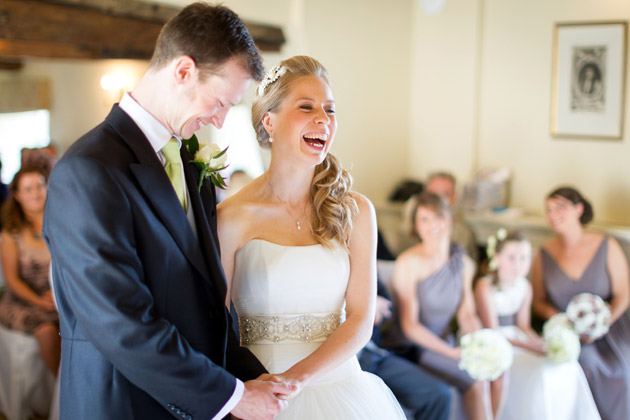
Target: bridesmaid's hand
column 585, row 339
column 455, row 353
column 383, row 310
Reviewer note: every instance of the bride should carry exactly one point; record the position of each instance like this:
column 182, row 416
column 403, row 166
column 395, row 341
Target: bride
column 299, row 253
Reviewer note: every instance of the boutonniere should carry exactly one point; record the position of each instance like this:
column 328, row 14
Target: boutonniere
column 209, row 158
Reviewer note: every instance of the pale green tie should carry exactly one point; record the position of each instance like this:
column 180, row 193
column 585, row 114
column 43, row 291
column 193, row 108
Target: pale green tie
column 173, row 168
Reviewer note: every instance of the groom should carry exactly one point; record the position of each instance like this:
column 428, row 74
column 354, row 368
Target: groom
column 141, row 293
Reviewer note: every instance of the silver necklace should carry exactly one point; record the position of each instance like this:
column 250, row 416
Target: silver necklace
column 286, row 206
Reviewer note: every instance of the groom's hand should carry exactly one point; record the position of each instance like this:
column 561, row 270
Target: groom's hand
column 262, row 400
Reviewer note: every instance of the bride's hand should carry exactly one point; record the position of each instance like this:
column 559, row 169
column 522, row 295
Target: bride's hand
column 279, row 378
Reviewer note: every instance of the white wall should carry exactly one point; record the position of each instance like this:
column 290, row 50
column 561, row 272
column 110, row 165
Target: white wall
column 516, row 103
column 443, row 86
column 507, row 123
column 78, row 101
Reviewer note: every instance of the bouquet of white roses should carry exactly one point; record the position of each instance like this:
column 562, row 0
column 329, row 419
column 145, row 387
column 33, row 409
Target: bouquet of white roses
column 486, row 354
column 562, row 344
column 589, row 315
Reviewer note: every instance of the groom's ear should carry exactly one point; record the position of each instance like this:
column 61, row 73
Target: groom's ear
column 185, row 69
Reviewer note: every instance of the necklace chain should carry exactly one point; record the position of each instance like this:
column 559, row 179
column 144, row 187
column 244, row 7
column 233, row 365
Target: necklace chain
column 286, row 206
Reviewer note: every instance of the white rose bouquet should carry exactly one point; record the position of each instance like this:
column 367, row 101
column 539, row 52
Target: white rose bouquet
column 209, row 158
column 486, row 354
column 562, row 344
column 589, row 315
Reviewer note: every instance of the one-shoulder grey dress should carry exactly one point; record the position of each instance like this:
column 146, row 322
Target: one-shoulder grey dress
column 439, row 297
column 606, row 362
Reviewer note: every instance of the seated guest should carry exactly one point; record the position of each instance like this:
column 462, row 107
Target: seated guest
column 576, row 261
column 443, row 184
column 432, row 282
column 504, row 302
column 27, row 304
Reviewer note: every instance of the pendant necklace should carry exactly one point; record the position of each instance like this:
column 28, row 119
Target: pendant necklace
column 286, row 206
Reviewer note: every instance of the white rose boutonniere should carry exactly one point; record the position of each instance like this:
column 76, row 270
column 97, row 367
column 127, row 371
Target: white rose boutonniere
column 209, row 158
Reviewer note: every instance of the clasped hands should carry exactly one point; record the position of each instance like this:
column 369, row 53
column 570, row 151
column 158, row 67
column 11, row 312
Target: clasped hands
column 266, row 396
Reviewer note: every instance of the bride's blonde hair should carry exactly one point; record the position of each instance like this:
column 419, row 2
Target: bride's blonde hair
column 331, row 196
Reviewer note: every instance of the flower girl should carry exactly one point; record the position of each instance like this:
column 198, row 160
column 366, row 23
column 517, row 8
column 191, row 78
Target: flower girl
column 535, row 387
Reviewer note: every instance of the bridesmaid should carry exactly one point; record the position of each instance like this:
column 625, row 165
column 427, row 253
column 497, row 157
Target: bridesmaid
column 432, row 283
column 576, row 261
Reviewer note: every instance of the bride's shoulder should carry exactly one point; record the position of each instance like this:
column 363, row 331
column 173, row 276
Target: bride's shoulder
column 364, row 205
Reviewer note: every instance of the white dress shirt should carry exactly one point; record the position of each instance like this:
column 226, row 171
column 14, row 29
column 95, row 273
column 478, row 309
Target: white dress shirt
column 158, row 136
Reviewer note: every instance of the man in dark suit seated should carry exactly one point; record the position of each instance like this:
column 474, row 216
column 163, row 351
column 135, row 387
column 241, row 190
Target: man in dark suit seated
column 138, row 280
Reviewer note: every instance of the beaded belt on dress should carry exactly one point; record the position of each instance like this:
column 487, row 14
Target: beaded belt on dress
column 266, row 329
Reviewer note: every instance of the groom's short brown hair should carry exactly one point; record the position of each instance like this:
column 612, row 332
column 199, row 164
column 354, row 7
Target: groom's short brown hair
column 210, row 35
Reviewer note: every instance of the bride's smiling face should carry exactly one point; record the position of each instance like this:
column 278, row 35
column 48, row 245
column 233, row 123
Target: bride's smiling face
column 304, row 125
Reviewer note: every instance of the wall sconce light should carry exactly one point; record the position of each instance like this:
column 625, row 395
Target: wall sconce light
column 114, row 85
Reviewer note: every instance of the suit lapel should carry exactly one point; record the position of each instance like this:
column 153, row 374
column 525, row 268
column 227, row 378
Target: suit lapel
column 202, row 203
column 157, row 188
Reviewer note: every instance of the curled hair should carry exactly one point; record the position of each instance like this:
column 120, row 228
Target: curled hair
column 428, row 200
column 331, row 196
column 333, row 204
column 13, row 217
column 574, row 196
column 210, row 35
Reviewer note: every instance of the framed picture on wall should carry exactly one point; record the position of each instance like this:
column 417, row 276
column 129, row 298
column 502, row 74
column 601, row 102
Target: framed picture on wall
column 589, row 80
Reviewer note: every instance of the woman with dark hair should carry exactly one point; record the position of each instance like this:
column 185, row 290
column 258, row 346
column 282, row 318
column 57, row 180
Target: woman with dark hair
column 576, row 261
column 432, row 284
column 27, row 304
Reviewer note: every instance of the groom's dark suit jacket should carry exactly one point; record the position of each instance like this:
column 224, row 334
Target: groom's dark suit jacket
column 144, row 328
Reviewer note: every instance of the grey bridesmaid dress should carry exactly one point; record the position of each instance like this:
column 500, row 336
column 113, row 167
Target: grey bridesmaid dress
column 606, row 362
column 439, row 297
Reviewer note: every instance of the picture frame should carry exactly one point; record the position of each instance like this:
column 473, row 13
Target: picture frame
column 589, row 69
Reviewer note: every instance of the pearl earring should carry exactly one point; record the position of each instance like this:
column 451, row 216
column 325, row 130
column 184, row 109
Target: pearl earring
column 270, row 139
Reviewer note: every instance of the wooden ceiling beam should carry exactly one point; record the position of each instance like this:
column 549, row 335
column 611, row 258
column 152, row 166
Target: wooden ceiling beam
column 9, row 64
column 94, row 29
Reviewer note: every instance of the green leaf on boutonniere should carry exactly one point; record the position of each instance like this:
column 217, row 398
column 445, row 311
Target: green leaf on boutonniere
column 218, row 180
column 224, row 151
column 192, row 144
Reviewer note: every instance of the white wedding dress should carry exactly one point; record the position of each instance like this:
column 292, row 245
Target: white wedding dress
column 289, row 299
column 537, row 388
